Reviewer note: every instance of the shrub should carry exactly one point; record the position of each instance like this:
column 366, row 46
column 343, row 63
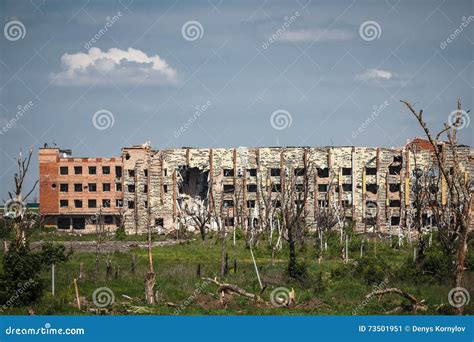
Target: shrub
column 434, row 266
column 372, row 270
column 120, row 234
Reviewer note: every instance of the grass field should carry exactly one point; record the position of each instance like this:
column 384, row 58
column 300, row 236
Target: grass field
column 330, row 288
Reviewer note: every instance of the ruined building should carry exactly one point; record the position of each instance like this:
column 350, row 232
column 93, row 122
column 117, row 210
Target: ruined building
column 370, row 187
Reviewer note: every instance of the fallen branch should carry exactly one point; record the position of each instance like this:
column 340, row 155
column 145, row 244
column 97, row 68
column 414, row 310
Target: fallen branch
column 223, row 287
column 415, row 304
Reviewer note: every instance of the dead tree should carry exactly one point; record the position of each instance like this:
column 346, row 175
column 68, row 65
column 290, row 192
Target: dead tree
column 453, row 213
column 198, row 211
column 415, row 304
column 15, row 208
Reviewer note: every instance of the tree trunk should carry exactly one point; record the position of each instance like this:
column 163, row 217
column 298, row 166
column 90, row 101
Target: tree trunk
column 292, row 266
column 149, row 288
column 202, row 230
column 460, row 258
column 81, row 271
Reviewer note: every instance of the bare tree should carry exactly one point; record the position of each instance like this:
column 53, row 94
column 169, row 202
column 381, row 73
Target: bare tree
column 16, row 206
column 452, row 214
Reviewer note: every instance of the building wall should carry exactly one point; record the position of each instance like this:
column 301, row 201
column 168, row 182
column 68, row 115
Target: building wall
column 371, row 186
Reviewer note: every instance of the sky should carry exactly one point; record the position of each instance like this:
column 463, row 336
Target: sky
column 94, row 76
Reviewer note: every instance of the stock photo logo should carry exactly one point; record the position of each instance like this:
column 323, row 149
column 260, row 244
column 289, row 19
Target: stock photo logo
column 103, row 119
column 459, row 119
column 458, row 297
column 103, row 297
column 14, row 208
column 14, row 30
column 280, row 297
column 370, row 30
column 281, row 119
column 192, row 30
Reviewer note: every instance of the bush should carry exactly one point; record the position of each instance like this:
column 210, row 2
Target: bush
column 373, row 270
column 120, row 234
column 435, row 266
column 20, row 283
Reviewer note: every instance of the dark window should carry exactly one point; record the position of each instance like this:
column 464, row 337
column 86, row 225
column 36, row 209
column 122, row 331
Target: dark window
column 322, row 203
column 131, row 173
column 92, row 170
column 78, row 203
column 108, row 219
column 131, row 187
column 347, row 187
column 105, row 186
column 63, row 187
column 145, row 204
column 159, row 222
column 92, row 187
column 371, row 204
column 78, row 170
column 394, row 187
column 300, row 171
column 371, row 171
column 127, row 156
column 250, row 204
column 346, row 171
column 252, row 187
column 228, row 172
column 276, row 204
column 299, row 187
column 275, row 172
column 145, row 172
column 165, row 188
column 228, row 188
column 323, row 172
column 322, row 187
column 119, row 203
column 372, row 187
column 395, row 220
column 145, row 188
column 63, row 203
column 106, row 170
column 118, row 186
column 78, row 223
column 106, row 203
column 165, row 171
column 228, row 203
column 229, row 221
column 92, row 203
column 252, row 172
column 255, row 222
column 64, row 223
column 276, row 187
column 78, row 187
column 131, row 204
column 63, row 170
column 346, row 204
column 118, row 171
column 394, row 203
column 394, row 169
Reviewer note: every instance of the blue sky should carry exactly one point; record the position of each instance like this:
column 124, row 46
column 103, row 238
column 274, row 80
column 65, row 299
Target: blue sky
column 221, row 74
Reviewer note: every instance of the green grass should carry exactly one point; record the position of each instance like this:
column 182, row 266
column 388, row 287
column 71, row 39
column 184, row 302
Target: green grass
column 176, row 280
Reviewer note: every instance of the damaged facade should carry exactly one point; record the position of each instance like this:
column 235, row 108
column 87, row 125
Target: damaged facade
column 172, row 188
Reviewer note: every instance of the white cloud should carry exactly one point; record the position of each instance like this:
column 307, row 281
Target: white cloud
column 122, row 67
column 319, row 35
column 373, row 74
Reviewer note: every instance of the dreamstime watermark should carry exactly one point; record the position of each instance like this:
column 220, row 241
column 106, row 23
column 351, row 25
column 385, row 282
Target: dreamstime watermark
column 459, row 119
column 280, row 297
column 199, row 288
column 286, row 24
column 465, row 22
column 281, row 119
column 192, row 30
column 109, row 22
column 370, row 30
column 377, row 110
column 103, row 297
column 46, row 330
column 14, row 208
column 366, row 301
column 103, row 119
column 22, row 287
column 458, row 297
column 199, row 110
column 21, row 110
column 14, row 30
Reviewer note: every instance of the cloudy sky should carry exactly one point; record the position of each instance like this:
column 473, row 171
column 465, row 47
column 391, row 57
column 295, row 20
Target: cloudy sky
column 96, row 76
